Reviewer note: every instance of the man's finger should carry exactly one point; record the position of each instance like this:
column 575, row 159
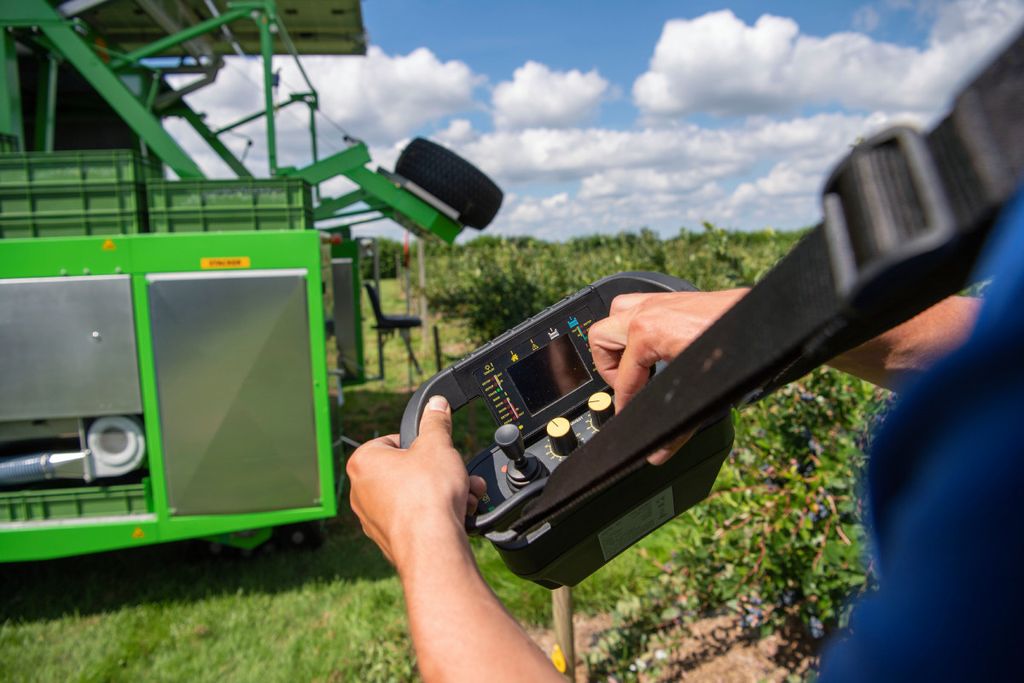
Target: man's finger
column 477, row 486
column 633, row 372
column 436, row 423
column 607, row 340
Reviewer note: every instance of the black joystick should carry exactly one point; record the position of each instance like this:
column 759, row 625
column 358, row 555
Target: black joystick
column 522, row 468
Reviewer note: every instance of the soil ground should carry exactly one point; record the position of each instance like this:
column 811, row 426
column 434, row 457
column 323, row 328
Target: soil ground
column 714, row 649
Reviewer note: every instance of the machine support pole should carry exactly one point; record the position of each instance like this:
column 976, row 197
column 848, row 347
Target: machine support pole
column 263, row 21
column 564, row 655
column 46, row 104
column 312, row 143
column 261, row 113
column 162, row 45
column 10, row 89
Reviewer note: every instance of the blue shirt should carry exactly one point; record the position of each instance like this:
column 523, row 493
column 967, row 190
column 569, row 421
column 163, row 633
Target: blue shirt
column 946, row 486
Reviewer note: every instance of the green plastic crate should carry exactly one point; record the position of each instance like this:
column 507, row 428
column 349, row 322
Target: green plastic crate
column 218, row 205
column 110, row 223
column 76, row 168
column 71, row 210
column 94, row 501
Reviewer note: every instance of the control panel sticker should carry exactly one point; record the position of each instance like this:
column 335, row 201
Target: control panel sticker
column 223, row 262
column 641, row 520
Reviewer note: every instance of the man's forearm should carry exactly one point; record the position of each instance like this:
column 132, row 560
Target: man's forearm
column 890, row 358
column 459, row 628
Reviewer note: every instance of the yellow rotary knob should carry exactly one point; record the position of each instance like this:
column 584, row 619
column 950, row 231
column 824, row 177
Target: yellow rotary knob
column 563, row 438
column 601, row 408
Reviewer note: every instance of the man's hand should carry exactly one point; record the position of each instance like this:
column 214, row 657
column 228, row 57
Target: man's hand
column 413, row 504
column 397, row 493
column 642, row 329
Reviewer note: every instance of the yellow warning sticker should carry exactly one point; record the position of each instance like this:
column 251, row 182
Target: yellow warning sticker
column 222, row 262
column 108, row 245
column 558, row 658
column 138, row 532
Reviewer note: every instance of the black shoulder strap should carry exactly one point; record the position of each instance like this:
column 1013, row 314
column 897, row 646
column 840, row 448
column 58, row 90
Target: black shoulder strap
column 905, row 215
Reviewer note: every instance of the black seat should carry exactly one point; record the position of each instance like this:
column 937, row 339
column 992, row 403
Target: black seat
column 389, row 324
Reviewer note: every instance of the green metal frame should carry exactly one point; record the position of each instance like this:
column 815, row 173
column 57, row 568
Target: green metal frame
column 350, row 249
column 378, row 197
column 138, row 255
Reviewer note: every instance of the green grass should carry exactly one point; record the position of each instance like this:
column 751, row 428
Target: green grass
column 173, row 613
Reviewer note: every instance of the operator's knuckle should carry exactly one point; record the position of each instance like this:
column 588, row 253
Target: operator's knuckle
column 622, row 302
column 354, row 466
column 641, row 326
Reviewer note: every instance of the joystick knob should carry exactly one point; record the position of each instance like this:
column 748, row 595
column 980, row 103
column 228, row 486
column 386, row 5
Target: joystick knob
column 522, row 468
column 601, row 408
column 563, row 438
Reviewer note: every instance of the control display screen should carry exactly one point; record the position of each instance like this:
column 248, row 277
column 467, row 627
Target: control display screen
column 548, row 374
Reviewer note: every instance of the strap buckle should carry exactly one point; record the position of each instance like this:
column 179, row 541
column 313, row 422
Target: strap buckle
column 885, row 211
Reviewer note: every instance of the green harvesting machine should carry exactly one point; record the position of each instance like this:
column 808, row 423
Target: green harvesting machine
column 163, row 343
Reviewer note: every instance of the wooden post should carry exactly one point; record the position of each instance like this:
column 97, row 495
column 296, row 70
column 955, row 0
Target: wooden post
column 564, row 654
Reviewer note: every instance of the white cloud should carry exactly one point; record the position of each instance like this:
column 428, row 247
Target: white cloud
column 866, row 18
column 667, row 177
column 718, row 64
column 538, row 97
column 379, row 98
column 565, row 175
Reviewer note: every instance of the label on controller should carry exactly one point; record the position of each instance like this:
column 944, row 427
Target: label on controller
column 635, row 524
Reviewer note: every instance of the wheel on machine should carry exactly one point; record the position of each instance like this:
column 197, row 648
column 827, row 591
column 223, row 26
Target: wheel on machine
column 304, row 534
column 453, row 180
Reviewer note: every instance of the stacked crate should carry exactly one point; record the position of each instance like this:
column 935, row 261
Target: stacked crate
column 74, row 193
column 228, row 205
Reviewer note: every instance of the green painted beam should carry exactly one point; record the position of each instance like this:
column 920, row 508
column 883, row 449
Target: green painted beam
column 378, row 191
column 420, row 215
column 159, row 46
column 329, row 208
column 341, row 163
column 264, row 21
column 46, row 104
column 295, row 97
column 196, row 121
column 10, row 90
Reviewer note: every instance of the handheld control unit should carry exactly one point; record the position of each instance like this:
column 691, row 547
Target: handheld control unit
column 543, row 390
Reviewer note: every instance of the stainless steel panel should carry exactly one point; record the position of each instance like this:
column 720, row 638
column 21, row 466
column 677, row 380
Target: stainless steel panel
column 67, row 348
column 235, row 388
column 346, row 329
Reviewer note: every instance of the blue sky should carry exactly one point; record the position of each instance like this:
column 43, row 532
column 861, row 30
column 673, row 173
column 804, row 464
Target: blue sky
column 602, row 116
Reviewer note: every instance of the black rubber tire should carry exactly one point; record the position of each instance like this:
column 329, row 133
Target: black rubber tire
column 453, row 180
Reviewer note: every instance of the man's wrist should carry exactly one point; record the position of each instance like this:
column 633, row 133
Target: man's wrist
column 428, row 542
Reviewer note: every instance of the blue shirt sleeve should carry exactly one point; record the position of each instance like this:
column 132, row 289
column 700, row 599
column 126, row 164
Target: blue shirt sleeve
column 946, row 486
